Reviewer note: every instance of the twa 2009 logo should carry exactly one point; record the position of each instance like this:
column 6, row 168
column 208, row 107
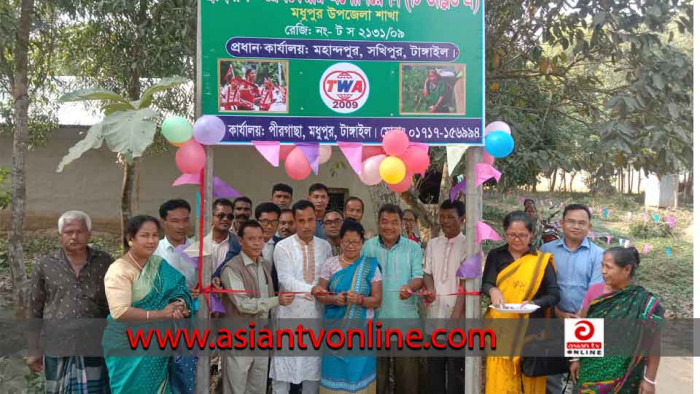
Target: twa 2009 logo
column 344, row 88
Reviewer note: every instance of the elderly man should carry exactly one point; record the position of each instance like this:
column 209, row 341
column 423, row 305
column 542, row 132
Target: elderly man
column 298, row 260
column 249, row 272
column 332, row 222
column 68, row 284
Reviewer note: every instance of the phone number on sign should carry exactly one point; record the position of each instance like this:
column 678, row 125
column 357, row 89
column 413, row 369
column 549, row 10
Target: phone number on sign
column 444, row 133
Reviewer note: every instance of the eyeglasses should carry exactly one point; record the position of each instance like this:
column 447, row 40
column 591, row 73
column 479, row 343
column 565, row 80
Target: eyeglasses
column 513, row 237
column 222, row 215
column 266, row 222
column 571, row 222
column 331, row 222
column 351, row 243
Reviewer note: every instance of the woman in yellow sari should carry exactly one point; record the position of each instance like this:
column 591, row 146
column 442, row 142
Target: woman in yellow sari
column 517, row 273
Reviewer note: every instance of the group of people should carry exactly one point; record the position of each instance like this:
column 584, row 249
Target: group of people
column 303, row 261
column 243, row 94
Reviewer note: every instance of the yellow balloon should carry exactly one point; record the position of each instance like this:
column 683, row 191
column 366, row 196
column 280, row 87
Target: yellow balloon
column 392, row 170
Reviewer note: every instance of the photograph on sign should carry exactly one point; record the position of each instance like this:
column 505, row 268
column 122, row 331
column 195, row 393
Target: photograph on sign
column 436, row 88
column 247, row 85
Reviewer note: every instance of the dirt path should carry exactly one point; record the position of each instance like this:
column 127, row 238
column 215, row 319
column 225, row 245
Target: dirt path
column 675, row 375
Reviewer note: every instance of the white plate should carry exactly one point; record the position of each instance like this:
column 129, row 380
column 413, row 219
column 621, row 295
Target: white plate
column 516, row 308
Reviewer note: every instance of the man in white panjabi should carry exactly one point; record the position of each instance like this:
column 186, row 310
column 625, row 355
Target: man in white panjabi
column 298, row 260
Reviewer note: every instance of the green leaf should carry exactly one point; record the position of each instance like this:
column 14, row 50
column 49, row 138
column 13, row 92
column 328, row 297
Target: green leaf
column 93, row 140
column 164, row 84
column 130, row 132
column 92, row 94
column 116, row 107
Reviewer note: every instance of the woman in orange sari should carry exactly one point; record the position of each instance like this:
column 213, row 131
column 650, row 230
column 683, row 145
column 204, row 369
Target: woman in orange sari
column 517, row 273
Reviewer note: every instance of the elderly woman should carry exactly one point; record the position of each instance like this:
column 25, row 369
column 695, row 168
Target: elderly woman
column 517, row 273
column 626, row 301
column 142, row 287
column 351, row 287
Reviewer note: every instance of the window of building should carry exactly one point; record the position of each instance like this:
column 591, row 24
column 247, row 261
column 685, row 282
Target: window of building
column 337, row 197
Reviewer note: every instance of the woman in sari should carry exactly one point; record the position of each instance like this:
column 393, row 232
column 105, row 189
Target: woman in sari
column 635, row 373
column 517, row 273
column 141, row 288
column 351, row 287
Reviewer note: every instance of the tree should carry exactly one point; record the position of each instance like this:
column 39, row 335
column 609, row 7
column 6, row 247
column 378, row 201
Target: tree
column 573, row 79
column 128, row 127
column 118, row 45
column 20, row 96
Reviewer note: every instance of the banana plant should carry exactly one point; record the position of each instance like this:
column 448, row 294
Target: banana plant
column 128, row 127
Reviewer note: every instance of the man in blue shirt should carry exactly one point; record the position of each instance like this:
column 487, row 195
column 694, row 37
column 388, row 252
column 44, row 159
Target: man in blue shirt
column 401, row 262
column 578, row 263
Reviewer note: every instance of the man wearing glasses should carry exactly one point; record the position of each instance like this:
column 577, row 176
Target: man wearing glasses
column 332, row 221
column 219, row 244
column 268, row 215
column 578, row 263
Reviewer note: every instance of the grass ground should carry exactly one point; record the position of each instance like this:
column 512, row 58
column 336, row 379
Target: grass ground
column 670, row 277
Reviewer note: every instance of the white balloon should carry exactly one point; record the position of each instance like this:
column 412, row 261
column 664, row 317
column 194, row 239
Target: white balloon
column 370, row 170
column 324, row 154
column 497, row 126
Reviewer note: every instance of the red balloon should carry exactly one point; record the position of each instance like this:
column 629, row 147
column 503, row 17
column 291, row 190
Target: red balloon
column 402, row 186
column 417, row 160
column 395, row 142
column 296, row 165
column 370, row 151
column 285, row 150
column 190, row 158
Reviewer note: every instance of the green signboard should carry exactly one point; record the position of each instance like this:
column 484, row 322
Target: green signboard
column 328, row 71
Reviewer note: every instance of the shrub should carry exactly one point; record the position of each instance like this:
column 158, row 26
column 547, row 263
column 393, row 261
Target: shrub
column 493, row 213
column 650, row 229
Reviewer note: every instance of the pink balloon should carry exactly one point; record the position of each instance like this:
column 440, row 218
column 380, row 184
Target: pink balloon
column 324, row 154
column 296, row 165
column 369, row 151
column 486, row 158
column 395, row 142
column 402, row 186
column 285, row 150
column 416, row 159
column 370, row 170
column 190, row 157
